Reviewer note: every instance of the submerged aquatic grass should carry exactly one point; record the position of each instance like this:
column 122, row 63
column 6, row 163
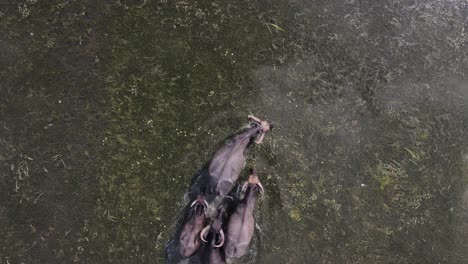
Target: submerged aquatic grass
column 107, row 110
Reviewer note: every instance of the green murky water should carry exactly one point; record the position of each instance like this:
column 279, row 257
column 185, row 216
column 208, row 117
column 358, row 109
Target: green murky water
column 108, row 108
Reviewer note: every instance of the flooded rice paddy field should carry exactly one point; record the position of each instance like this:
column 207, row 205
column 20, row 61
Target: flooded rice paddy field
column 108, row 109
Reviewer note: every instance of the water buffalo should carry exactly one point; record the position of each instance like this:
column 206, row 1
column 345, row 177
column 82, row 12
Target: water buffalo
column 190, row 235
column 207, row 189
column 213, row 235
column 241, row 223
column 227, row 163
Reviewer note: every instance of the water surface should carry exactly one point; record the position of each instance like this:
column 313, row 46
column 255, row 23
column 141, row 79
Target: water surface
column 108, row 108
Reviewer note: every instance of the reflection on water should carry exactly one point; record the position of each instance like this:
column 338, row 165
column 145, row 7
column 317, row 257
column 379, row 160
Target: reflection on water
column 108, row 109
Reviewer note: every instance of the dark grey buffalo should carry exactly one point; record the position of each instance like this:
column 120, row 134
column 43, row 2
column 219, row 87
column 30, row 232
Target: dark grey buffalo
column 213, row 236
column 242, row 223
column 213, row 182
column 190, row 235
column 227, row 164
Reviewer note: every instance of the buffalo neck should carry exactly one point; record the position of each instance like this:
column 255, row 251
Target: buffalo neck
column 251, row 195
column 249, row 133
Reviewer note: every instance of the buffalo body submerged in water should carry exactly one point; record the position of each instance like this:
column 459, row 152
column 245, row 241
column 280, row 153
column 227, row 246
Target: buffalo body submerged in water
column 242, row 222
column 212, row 184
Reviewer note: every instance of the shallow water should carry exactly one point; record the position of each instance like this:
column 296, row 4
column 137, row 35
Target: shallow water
column 108, row 109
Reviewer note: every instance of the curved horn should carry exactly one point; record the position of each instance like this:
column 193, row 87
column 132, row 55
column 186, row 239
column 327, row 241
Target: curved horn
column 221, row 243
column 252, row 117
column 261, row 187
column 205, row 203
column 244, row 187
column 194, row 202
column 260, row 139
column 203, row 232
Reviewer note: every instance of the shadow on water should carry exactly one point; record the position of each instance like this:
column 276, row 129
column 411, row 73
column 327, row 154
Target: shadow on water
column 107, row 109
